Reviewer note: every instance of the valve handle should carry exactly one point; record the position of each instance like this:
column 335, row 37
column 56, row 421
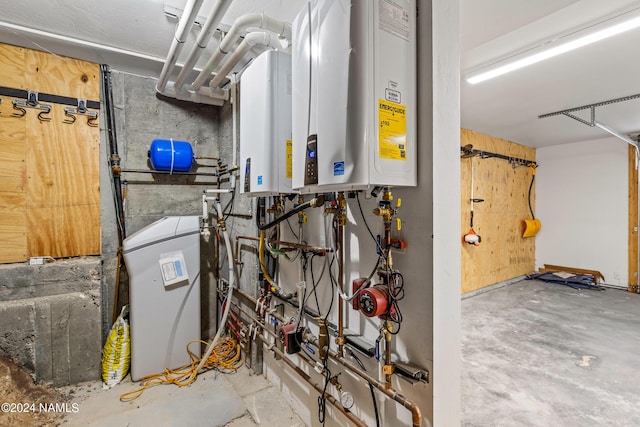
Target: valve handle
column 399, row 202
column 399, row 223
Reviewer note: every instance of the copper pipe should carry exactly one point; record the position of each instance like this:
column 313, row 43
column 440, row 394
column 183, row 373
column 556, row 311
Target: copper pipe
column 388, row 368
column 301, row 246
column 355, row 420
column 416, row 414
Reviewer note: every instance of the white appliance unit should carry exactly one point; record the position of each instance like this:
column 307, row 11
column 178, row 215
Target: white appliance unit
column 354, row 95
column 265, row 125
column 163, row 261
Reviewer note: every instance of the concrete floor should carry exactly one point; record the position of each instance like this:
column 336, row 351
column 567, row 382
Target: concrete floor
column 538, row 354
column 241, row 399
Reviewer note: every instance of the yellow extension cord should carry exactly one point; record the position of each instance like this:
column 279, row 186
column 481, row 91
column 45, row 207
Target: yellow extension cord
column 225, row 355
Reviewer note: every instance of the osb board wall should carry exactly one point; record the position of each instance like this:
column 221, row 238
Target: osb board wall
column 503, row 253
column 49, row 171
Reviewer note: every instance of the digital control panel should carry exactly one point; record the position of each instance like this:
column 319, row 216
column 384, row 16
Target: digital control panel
column 311, row 161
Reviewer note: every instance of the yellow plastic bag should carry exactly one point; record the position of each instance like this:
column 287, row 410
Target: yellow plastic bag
column 116, row 354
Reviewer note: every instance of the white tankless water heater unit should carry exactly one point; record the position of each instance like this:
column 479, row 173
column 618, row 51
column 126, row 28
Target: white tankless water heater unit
column 265, row 125
column 354, row 95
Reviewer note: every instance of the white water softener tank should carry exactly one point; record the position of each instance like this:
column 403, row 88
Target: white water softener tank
column 354, row 95
column 163, row 262
column 265, row 125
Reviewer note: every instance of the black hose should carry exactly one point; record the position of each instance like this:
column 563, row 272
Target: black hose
column 533, row 177
column 311, row 203
column 373, row 394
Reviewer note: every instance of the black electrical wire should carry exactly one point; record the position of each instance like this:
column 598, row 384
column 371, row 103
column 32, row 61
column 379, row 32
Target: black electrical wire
column 533, row 177
column 373, row 393
column 396, row 293
column 322, row 404
column 230, row 205
column 314, row 283
column 367, row 224
column 293, row 232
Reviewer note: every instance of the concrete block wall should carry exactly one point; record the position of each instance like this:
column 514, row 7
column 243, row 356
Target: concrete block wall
column 55, row 317
column 50, row 317
column 141, row 116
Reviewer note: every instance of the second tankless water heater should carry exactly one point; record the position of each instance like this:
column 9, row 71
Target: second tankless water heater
column 265, row 125
column 354, row 95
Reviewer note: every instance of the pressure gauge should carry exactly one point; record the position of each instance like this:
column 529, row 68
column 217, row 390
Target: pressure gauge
column 346, row 399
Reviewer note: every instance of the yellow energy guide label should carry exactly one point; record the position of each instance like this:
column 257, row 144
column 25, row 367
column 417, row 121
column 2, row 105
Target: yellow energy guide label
column 392, row 130
column 289, row 159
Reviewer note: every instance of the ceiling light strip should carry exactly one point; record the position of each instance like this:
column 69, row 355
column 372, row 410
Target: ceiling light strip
column 555, row 50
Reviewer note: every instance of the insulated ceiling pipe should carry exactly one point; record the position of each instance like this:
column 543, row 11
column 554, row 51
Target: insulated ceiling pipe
column 213, row 20
column 250, row 40
column 184, row 26
column 251, row 20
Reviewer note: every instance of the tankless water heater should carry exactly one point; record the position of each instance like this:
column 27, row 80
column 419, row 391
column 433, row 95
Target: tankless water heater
column 354, row 95
column 265, row 125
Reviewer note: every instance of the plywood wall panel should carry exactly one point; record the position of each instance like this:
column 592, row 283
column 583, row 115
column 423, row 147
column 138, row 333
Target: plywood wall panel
column 63, row 165
column 49, row 170
column 62, row 76
column 70, row 231
column 12, row 66
column 503, row 253
column 13, row 226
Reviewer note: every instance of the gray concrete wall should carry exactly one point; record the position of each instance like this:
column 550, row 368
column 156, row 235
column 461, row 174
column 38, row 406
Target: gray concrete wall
column 50, row 317
column 56, row 317
column 140, row 117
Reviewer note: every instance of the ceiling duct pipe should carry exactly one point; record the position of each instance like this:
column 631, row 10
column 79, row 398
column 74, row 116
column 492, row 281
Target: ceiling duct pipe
column 213, row 20
column 251, row 20
column 182, row 32
column 252, row 39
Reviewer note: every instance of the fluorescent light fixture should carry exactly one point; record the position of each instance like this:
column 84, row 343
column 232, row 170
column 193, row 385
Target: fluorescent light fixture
column 515, row 64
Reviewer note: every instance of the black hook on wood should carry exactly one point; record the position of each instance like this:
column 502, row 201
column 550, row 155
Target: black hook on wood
column 45, row 110
column 22, row 113
column 91, row 120
column 72, row 118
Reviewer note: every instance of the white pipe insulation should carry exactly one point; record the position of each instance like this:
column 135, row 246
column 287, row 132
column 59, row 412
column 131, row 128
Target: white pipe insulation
column 250, row 40
column 213, row 20
column 251, row 20
column 184, row 26
column 203, row 96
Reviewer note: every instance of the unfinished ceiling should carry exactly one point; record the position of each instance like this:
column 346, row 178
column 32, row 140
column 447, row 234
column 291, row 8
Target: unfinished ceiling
column 135, row 37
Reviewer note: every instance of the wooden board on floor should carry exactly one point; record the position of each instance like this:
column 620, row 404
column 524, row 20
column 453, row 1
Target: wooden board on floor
column 503, row 253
